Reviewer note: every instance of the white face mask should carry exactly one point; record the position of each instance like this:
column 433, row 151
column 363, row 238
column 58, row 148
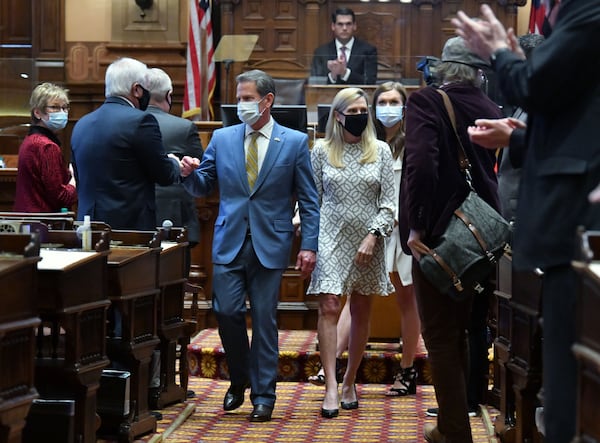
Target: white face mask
column 249, row 112
column 389, row 115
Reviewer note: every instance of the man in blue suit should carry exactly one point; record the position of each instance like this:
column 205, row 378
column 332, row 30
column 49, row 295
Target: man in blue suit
column 260, row 168
column 345, row 59
column 118, row 154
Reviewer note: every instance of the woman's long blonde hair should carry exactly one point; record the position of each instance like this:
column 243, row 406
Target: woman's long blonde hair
column 334, row 133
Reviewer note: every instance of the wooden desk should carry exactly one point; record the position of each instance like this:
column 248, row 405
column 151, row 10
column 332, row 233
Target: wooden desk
column 71, row 349
column 18, row 322
column 133, row 291
column 502, row 388
column 8, row 188
column 172, row 278
column 587, row 345
column 517, row 352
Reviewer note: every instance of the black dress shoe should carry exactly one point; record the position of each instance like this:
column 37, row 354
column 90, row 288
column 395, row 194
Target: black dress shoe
column 234, row 397
column 329, row 413
column 261, row 413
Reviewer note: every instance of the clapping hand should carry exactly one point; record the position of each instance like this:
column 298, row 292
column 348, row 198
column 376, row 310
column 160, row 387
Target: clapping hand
column 493, row 133
column 337, row 67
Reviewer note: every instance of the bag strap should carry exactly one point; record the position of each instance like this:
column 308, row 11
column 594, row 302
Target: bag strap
column 463, row 160
column 465, row 167
column 447, row 269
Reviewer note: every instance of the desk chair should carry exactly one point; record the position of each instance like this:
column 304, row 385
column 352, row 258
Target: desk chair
column 289, row 91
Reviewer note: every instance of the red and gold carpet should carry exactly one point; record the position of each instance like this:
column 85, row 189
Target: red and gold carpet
column 299, row 358
column 296, row 417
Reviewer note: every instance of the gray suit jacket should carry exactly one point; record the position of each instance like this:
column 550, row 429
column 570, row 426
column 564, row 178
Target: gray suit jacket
column 180, row 137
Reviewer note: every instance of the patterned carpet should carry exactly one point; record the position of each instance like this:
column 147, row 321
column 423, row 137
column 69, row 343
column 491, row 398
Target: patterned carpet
column 296, row 417
column 299, row 358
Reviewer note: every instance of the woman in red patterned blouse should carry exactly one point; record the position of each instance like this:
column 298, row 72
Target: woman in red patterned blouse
column 44, row 181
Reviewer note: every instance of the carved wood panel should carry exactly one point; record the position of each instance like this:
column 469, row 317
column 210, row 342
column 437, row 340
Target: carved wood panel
column 15, row 28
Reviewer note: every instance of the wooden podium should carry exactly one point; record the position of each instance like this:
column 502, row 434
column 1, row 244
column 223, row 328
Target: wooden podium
column 18, row 321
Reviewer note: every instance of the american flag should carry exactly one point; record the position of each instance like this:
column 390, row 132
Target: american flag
column 199, row 57
column 536, row 17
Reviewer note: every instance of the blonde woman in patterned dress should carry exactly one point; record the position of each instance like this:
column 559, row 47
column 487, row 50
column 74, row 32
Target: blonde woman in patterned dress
column 355, row 180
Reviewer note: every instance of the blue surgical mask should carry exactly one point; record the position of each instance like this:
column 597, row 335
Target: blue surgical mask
column 389, row 115
column 57, row 120
column 249, row 112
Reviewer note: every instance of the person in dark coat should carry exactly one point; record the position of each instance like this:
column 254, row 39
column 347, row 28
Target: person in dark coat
column 432, row 187
column 561, row 167
column 345, row 59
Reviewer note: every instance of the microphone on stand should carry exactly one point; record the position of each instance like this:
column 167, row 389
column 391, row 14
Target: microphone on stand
column 167, row 225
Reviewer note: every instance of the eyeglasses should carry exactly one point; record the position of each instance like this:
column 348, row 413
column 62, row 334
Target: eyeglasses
column 65, row 108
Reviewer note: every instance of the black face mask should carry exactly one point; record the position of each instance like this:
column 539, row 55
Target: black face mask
column 169, row 102
column 144, row 99
column 355, row 124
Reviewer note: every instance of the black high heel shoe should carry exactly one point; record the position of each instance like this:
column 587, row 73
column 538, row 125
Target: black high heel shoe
column 329, row 413
column 407, row 378
column 351, row 404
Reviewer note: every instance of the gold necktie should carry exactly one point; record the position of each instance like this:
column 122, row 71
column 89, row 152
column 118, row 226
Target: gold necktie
column 252, row 160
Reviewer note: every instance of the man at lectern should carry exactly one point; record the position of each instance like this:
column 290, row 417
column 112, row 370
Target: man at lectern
column 260, row 168
column 346, row 59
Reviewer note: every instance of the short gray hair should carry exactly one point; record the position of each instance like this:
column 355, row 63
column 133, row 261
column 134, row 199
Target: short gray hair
column 122, row 74
column 264, row 82
column 159, row 84
column 43, row 94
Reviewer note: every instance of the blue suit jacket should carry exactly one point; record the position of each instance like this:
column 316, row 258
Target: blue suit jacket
column 118, row 156
column 267, row 210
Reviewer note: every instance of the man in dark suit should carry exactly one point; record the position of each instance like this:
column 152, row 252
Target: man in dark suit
column 118, row 153
column 180, row 137
column 346, row 59
column 562, row 165
column 260, row 168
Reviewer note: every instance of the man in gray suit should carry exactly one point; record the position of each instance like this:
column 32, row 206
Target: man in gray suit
column 260, row 168
column 180, row 137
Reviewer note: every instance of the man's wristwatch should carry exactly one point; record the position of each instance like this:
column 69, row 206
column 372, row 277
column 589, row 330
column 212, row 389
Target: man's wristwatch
column 375, row 232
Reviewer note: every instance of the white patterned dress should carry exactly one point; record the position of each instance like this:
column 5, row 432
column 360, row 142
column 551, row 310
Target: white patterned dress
column 353, row 199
